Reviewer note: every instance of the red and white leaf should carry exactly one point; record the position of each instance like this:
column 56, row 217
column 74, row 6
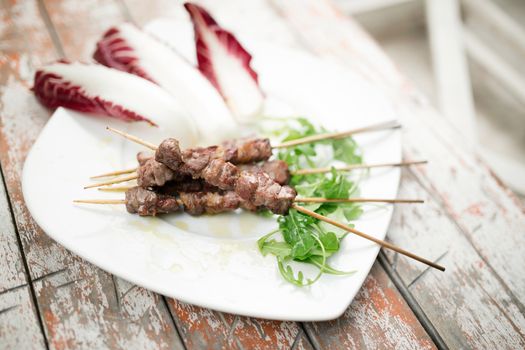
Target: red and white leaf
column 95, row 89
column 127, row 48
column 226, row 64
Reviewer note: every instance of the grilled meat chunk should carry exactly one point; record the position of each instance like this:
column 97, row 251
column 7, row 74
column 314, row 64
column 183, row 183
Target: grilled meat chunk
column 143, row 157
column 198, row 203
column 148, row 203
column 259, row 189
column 155, row 174
column 277, row 170
column 243, row 151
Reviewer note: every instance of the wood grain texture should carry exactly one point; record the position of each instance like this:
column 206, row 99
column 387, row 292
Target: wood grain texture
column 18, row 317
column 80, row 305
column 19, row 328
column 79, row 24
column 377, row 319
column 473, row 223
column 469, row 304
column 19, row 323
column 203, row 328
column 84, row 307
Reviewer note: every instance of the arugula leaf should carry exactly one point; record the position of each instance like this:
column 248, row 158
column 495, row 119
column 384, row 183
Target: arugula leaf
column 305, row 239
column 346, row 150
column 317, row 261
column 296, row 231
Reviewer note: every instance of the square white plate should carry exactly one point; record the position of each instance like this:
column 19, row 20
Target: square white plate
column 213, row 261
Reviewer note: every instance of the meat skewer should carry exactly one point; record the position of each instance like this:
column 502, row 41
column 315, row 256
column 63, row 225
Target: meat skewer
column 146, row 202
column 195, row 188
column 255, row 187
column 252, row 150
column 155, row 174
column 280, row 180
column 150, row 203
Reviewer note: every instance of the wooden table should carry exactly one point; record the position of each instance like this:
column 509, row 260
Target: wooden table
column 471, row 223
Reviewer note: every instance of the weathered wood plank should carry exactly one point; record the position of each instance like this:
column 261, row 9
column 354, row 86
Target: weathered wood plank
column 80, row 305
column 203, row 328
column 468, row 304
column 19, row 323
column 84, row 307
column 473, row 217
column 377, row 319
column 79, row 24
column 19, row 328
column 12, row 270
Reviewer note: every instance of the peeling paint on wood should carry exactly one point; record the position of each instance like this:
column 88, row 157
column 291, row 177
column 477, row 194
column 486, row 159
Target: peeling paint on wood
column 377, row 319
column 468, row 304
column 83, row 307
column 202, row 328
column 19, row 328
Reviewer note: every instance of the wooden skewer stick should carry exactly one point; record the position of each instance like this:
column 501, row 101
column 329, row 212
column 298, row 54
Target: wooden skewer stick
column 115, row 173
column 115, row 189
column 354, row 167
column 312, row 214
column 370, row 238
column 114, row 181
column 100, row 201
column 338, row 135
column 335, row 135
column 355, row 200
column 133, row 138
column 305, row 171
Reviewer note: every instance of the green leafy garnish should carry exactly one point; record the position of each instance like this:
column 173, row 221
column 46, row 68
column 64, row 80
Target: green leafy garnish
column 305, row 240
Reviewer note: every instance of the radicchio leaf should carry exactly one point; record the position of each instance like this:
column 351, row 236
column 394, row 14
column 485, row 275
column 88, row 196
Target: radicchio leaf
column 93, row 88
column 54, row 90
column 129, row 49
column 223, row 60
column 114, row 51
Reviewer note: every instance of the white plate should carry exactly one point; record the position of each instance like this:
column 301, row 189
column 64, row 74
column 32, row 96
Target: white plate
column 213, row 261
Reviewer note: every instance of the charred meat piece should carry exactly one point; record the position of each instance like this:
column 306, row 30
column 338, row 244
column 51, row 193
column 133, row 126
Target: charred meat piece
column 277, row 170
column 189, row 185
column 169, row 154
column 198, row 203
column 148, row 203
column 260, row 190
column 196, row 159
column 143, row 157
column 243, row 151
column 155, row 174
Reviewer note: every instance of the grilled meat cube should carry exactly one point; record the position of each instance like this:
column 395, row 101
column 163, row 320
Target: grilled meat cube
column 148, row 203
column 277, row 170
column 259, row 189
column 155, row 174
column 242, row 151
column 198, row 203
column 169, row 154
column 143, row 157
